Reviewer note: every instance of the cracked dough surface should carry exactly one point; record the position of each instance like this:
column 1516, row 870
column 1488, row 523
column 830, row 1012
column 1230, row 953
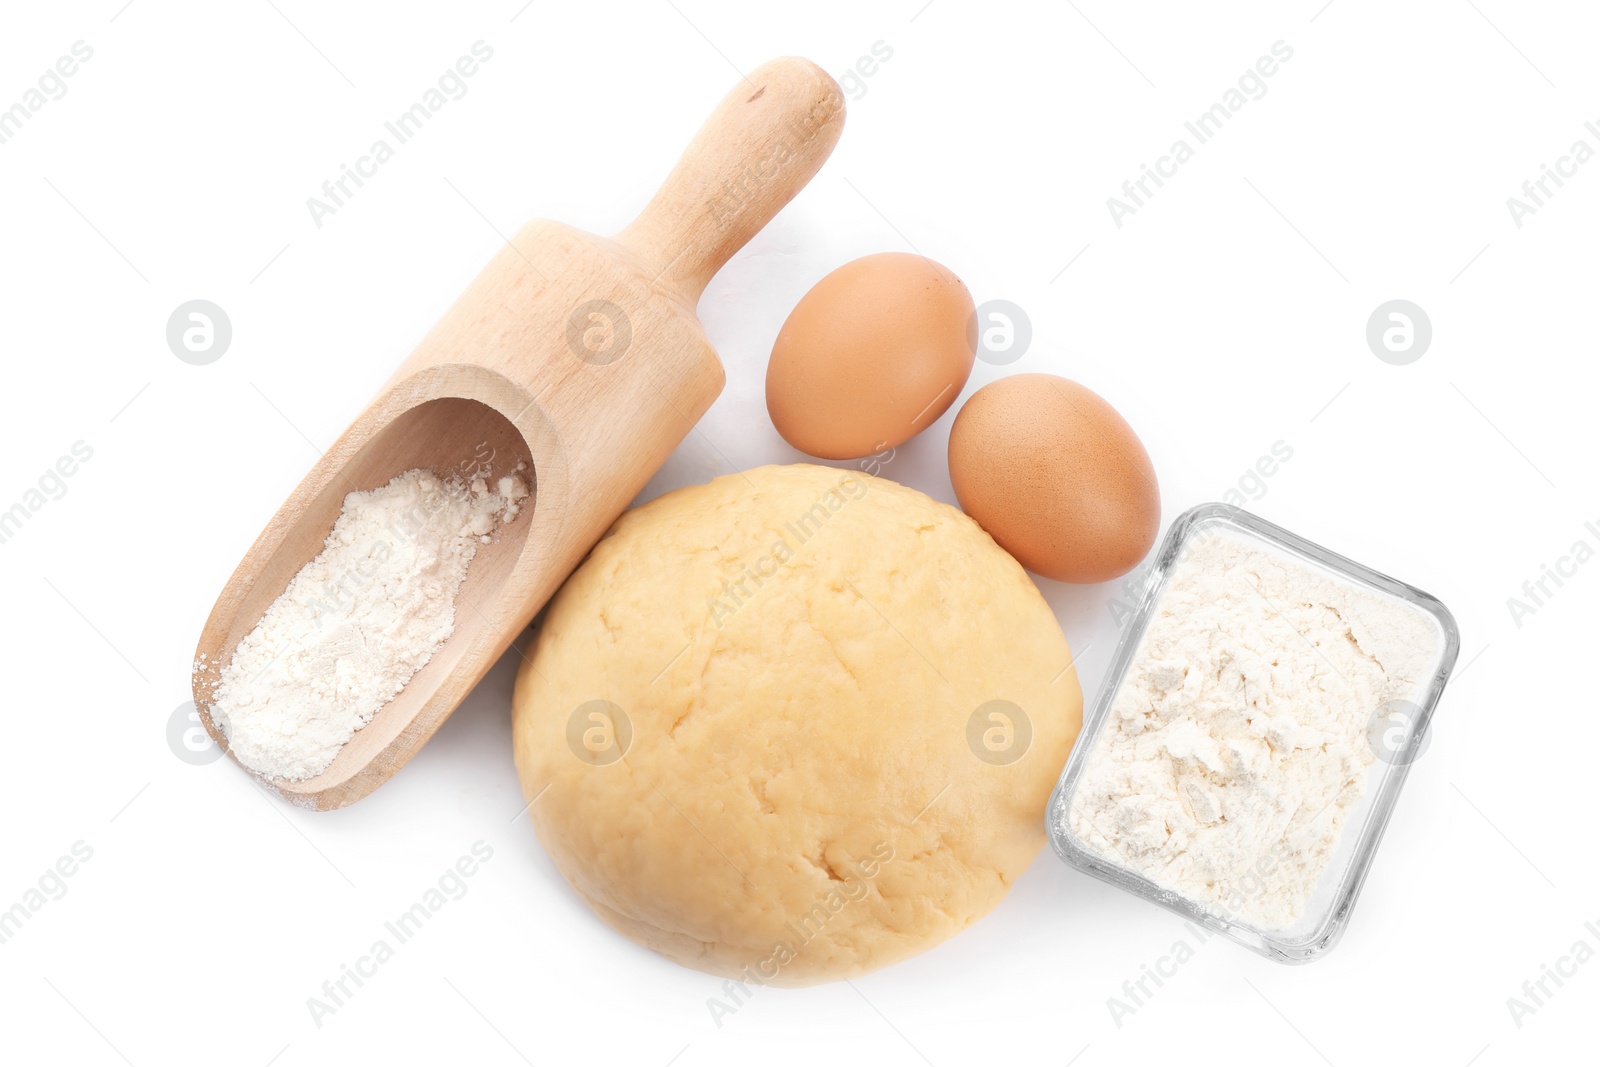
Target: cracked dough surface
column 798, row 651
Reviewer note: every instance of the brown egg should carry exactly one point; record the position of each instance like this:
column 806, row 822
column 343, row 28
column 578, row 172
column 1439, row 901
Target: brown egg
column 871, row 356
column 1056, row 476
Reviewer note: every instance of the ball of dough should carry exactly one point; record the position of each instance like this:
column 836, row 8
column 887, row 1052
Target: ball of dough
column 795, row 724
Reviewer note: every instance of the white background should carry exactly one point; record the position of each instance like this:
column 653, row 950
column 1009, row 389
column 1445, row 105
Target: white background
column 1226, row 315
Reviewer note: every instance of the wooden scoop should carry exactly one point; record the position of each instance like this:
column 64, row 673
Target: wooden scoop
column 578, row 355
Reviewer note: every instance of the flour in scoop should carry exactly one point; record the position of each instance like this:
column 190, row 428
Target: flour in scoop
column 357, row 622
column 1237, row 744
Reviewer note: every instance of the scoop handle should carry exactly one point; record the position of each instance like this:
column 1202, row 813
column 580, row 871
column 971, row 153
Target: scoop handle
column 762, row 144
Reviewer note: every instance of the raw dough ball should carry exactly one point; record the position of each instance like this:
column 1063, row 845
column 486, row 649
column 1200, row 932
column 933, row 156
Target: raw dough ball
column 840, row 727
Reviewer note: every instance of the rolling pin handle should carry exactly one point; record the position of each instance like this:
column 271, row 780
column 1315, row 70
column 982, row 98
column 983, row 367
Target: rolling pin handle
column 759, row 148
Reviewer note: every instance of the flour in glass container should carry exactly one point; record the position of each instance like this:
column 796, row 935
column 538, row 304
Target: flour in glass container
column 358, row 621
column 1237, row 745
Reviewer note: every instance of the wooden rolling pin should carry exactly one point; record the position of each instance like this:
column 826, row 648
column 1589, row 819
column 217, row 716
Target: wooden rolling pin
column 580, row 356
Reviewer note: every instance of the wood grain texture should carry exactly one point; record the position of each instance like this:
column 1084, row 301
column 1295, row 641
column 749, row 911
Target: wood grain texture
column 583, row 357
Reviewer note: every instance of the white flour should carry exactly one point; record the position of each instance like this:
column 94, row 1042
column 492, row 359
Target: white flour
column 358, row 621
column 1237, row 744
